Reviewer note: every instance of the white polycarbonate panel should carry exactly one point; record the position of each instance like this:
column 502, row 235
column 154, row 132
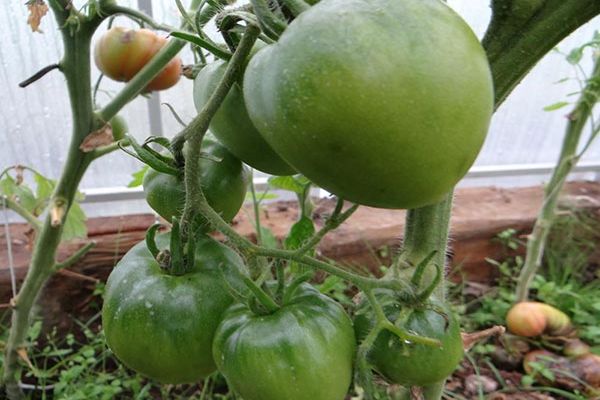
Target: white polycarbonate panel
column 35, row 124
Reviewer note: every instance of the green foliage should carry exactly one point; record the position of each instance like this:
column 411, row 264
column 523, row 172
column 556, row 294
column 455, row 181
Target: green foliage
column 566, row 280
column 138, row 177
column 79, row 366
column 35, row 202
column 295, row 184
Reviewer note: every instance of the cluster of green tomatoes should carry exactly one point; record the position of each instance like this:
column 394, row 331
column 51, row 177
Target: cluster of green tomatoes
column 384, row 103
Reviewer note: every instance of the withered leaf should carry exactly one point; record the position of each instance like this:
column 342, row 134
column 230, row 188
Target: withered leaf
column 37, row 10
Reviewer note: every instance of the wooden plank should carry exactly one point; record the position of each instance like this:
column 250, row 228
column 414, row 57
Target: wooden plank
column 478, row 215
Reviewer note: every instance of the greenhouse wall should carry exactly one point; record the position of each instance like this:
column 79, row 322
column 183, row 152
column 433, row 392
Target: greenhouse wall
column 521, row 147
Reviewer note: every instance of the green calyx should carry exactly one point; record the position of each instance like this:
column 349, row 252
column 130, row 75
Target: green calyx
column 263, row 302
column 179, row 258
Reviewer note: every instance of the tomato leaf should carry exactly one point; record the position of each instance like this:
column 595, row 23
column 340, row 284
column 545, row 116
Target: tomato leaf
column 268, row 238
column 37, row 10
column 290, row 183
column 300, row 232
column 44, row 188
column 138, row 177
column 20, row 192
column 75, row 226
column 575, row 55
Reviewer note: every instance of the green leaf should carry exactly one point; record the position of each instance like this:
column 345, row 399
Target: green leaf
column 556, row 106
column 268, row 238
column 75, row 226
column 262, row 196
column 575, row 55
column 22, row 193
column 45, row 187
column 294, row 184
column 300, row 232
column 138, row 177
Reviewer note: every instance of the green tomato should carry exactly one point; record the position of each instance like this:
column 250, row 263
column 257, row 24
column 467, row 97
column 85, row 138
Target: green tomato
column 163, row 325
column 412, row 364
column 303, row 351
column 224, row 184
column 232, row 126
column 382, row 102
column 119, row 127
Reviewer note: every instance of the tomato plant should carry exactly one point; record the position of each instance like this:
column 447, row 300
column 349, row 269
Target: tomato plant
column 391, row 116
column 163, row 325
column 224, row 184
column 303, row 351
column 382, row 102
column 232, row 125
column 408, row 363
column 121, row 53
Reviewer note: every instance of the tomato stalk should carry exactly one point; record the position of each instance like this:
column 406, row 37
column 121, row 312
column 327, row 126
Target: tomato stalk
column 296, row 6
column 195, row 131
column 271, row 25
column 112, row 8
column 514, row 44
column 568, row 158
column 76, row 69
column 77, row 30
column 521, row 32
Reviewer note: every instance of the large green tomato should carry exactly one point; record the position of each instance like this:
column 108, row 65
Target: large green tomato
column 163, row 325
column 412, row 364
column 232, row 126
column 224, row 184
column 382, row 102
column 303, row 351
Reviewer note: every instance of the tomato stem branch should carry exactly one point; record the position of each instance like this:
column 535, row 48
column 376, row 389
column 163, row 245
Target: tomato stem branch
column 270, row 24
column 111, row 8
column 296, row 6
column 333, row 222
column 568, row 158
column 195, row 131
column 39, row 75
column 21, row 211
column 76, row 68
column 75, row 65
column 75, row 257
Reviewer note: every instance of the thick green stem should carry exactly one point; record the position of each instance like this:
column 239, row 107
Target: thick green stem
column 76, row 68
column 568, row 158
column 523, row 31
column 520, row 34
column 426, row 231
